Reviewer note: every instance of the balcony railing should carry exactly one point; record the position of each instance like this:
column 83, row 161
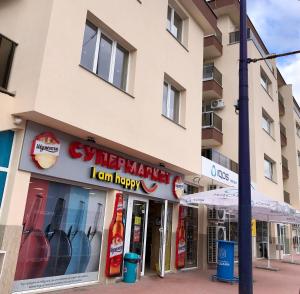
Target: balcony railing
column 283, row 137
column 211, row 120
column 286, row 197
column 210, row 72
column 285, row 168
column 281, row 104
column 221, row 159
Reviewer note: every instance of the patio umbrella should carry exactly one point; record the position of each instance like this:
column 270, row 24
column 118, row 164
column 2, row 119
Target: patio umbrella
column 263, row 208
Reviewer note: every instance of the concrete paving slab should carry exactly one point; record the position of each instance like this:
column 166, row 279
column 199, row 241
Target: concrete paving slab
column 285, row 281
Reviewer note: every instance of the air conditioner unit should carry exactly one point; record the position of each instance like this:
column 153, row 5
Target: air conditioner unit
column 214, row 233
column 217, row 104
column 218, row 215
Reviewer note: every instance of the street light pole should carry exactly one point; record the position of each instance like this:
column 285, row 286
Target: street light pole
column 245, row 239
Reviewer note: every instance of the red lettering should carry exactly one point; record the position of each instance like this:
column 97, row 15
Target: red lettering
column 101, row 158
column 167, row 178
column 73, row 149
column 162, row 176
column 148, row 172
column 113, row 162
column 121, row 163
column 154, row 176
column 89, row 152
column 141, row 171
column 133, row 169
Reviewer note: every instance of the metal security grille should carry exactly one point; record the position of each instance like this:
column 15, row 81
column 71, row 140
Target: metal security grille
column 211, row 244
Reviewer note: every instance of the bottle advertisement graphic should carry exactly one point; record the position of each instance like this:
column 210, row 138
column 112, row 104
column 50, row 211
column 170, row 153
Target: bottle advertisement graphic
column 60, row 245
column 95, row 238
column 62, row 236
column 32, row 262
column 180, row 240
column 115, row 240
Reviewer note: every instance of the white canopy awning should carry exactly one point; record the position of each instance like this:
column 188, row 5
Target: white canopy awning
column 263, row 208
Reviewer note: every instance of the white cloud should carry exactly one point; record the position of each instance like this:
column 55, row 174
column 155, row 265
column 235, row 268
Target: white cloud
column 278, row 23
column 291, row 73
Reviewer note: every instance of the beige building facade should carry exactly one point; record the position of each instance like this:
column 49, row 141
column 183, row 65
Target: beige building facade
column 103, row 121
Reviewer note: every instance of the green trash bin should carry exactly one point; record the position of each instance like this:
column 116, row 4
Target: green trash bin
column 131, row 261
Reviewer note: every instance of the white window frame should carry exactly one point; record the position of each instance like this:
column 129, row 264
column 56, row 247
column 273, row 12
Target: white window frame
column 112, row 59
column 265, row 81
column 268, row 121
column 271, row 168
column 168, row 108
column 171, row 29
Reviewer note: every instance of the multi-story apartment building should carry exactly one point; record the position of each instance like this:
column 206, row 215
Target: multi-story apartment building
column 100, row 121
column 273, row 116
column 101, row 133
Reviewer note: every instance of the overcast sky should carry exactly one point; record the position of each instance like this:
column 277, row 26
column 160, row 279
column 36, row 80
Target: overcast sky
column 278, row 23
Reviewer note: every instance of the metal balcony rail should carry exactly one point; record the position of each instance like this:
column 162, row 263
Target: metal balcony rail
column 211, row 120
column 285, row 162
column 280, row 98
column 282, row 129
column 286, row 196
column 221, row 159
column 210, row 72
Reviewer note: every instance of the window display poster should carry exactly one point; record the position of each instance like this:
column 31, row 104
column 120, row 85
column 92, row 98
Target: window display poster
column 62, row 236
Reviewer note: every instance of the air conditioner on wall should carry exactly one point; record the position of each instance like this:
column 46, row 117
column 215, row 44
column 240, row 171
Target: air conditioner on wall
column 218, row 215
column 214, row 233
column 217, row 104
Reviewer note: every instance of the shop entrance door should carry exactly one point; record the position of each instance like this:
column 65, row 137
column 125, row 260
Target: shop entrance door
column 136, row 228
column 157, row 253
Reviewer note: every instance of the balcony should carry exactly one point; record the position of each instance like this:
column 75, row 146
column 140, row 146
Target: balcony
column 286, row 197
column 285, row 168
column 212, row 82
column 283, row 138
column 221, row 159
column 211, row 129
column 281, row 105
column 213, row 46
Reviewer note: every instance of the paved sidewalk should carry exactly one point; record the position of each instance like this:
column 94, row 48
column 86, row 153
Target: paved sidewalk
column 284, row 281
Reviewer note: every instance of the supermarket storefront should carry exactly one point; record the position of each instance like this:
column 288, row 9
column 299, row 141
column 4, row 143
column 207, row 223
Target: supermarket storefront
column 86, row 206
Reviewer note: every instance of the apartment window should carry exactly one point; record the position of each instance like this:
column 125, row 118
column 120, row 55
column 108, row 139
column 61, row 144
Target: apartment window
column 268, row 168
column 104, row 56
column 298, row 156
column 175, row 23
column 265, row 81
column 298, row 129
column 171, row 102
column 267, row 123
column 7, row 49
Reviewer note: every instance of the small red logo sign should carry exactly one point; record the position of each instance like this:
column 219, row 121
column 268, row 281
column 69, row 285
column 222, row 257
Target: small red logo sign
column 45, row 150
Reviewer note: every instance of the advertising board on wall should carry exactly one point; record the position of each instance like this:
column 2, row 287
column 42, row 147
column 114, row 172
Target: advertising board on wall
column 219, row 173
column 59, row 155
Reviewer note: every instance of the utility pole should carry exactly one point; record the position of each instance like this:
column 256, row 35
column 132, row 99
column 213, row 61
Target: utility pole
column 245, row 239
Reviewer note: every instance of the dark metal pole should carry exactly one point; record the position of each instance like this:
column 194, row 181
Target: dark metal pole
column 245, row 239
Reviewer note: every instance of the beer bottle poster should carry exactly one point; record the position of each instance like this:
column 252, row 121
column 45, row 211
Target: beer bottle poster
column 180, row 240
column 114, row 257
column 61, row 237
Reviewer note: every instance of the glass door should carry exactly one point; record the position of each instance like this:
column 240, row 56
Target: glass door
column 163, row 237
column 136, row 228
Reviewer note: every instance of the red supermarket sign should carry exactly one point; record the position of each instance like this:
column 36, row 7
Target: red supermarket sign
column 98, row 157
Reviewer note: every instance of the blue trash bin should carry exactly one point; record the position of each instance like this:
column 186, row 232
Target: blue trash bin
column 131, row 261
column 225, row 265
